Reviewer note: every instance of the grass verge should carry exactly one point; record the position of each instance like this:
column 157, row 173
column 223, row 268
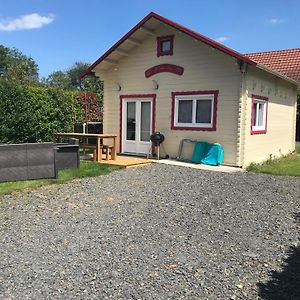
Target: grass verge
column 288, row 165
column 87, row 169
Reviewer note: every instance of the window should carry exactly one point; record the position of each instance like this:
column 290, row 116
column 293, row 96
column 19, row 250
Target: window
column 165, row 45
column 194, row 110
column 259, row 114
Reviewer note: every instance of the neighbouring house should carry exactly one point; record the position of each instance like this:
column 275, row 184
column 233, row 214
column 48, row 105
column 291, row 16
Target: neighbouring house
column 164, row 77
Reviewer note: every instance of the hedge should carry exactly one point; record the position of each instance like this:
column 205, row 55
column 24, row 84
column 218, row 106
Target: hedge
column 33, row 114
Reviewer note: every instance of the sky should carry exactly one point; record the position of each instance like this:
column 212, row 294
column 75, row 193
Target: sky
column 56, row 33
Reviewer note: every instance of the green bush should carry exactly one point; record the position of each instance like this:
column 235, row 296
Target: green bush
column 33, row 114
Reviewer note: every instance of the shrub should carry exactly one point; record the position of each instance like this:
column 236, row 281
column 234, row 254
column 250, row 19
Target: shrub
column 33, row 114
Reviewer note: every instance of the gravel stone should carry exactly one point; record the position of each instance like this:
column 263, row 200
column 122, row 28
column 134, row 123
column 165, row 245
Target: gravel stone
column 152, row 232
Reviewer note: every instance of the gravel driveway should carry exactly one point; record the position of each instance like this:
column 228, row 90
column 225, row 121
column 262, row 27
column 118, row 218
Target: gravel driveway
column 153, row 232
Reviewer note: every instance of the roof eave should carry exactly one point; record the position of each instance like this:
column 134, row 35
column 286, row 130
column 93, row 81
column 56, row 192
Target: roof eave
column 204, row 39
column 177, row 26
column 116, row 45
column 263, row 67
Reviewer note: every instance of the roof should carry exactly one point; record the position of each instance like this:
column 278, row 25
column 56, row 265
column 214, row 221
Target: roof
column 148, row 26
column 286, row 62
column 152, row 21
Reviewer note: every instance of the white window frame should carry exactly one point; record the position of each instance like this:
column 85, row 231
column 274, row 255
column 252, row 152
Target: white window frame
column 194, row 98
column 263, row 127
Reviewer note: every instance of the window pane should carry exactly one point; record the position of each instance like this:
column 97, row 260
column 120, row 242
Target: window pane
column 130, row 134
column 145, row 121
column 165, row 46
column 203, row 111
column 255, row 114
column 260, row 114
column 185, row 108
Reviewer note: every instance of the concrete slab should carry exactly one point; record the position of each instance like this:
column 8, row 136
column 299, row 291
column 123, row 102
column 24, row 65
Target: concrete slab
column 221, row 168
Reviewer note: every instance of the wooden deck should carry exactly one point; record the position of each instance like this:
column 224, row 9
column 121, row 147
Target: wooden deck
column 127, row 161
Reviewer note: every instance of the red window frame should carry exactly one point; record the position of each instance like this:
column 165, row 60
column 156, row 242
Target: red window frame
column 252, row 130
column 215, row 102
column 160, row 40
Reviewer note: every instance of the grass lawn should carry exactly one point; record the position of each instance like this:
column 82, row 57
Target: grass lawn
column 287, row 166
column 87, row 169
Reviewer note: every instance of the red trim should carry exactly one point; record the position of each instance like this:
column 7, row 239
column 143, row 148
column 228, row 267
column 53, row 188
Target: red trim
column 179, row 27
column 121, row 122
column 138, row 96
column 253, row 131
column 213, row 128
column 160, row 40
column 164, row 68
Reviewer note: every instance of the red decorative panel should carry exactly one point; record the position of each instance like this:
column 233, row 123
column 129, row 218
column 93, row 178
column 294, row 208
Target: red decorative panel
column 164, row 68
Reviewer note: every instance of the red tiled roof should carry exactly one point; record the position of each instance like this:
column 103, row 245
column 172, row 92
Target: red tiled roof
column 286, row 62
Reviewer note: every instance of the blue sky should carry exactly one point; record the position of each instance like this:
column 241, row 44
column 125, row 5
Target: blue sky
column 56, row 33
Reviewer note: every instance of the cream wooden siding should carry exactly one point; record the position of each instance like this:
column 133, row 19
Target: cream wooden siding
column 204, row 69
column 281, row 119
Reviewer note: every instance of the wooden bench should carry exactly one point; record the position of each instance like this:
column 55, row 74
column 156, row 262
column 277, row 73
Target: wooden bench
column 107, row 150
column 92, row 147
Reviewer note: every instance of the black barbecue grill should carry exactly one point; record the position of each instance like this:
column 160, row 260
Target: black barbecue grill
column 157, row 138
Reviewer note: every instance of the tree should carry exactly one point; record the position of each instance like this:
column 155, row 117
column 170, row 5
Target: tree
column 17, row 67
column 88, row 83
column 33, row 114
column 58, row 79
column 92, row 102
column 91, row 89
column 70, row 79
column 74, row 73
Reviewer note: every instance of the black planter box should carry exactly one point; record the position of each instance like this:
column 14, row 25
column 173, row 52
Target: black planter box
column 66, row 156
column 27, row 161
column 36, row 161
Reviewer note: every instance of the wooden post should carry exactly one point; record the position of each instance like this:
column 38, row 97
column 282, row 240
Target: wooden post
column 99, row 151
column 114, row 151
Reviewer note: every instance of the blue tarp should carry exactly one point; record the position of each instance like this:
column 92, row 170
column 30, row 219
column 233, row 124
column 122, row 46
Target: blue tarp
column 199, row 152
column 208, row 154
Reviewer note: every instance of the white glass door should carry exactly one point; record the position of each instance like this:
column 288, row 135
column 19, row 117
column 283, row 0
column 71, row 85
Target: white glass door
column 137, row 126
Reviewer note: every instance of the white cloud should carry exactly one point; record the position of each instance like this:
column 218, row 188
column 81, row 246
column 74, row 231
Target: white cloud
column 31, row 21
column 274, row 21
column 222, row 39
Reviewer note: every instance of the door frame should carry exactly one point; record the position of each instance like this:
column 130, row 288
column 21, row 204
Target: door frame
column 151, row 97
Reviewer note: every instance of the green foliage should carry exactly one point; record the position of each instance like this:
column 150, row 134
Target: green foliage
column 58, row 79
column 74, row 73
column 33, row 114
column 87, row 169
column 288, row 165
column 17, row 67
column 70, row 80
